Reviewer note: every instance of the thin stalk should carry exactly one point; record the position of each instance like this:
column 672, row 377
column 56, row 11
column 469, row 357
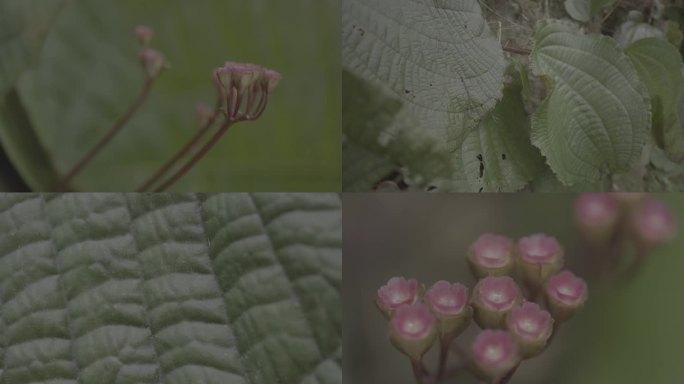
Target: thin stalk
column 116, row 128
column 518, row 51
column 197, row 157
column 193, row 141
column 508, row 376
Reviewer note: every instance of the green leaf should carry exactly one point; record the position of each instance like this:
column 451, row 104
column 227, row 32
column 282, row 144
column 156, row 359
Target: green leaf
column 379, row 137
column 23, row 27
column 597, row 114
column 583, row 10
column 658, row 64
column 170, row 288
column 498, row 156
column 438, row 59
column 20, row 142
column 635, row 29
column 88, row 75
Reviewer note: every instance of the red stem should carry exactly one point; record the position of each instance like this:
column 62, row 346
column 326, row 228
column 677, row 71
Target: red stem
column 116, row 128
column 198, row 156
column 165, row 168
column 518, row 51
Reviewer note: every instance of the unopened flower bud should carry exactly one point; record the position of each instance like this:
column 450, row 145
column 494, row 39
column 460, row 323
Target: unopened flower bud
column 144, row 35
column 413, row 329
column 153, row 62
column 540, row 256
column 565, row 295
column 398, row 291
column 449, row 304
column 531, row 327
column 272, row 79
column 204, row 113
column 653, row 223
column 491, row 255
column 245, row 75
column 494, row 354
column 597, row 215
column 493, row 298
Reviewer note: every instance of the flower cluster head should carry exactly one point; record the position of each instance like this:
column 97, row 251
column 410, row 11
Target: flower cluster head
column 612, row 222
column 245, row 88
column 521, row 297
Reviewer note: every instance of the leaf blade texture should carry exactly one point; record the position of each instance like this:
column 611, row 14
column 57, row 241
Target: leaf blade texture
column 597, row 113
column 438, row 59
column 116, row 288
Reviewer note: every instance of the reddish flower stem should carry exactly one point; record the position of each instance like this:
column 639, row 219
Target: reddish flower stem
column 116, row 128
column 193, row 141
column 518, row 51
column 197, row 157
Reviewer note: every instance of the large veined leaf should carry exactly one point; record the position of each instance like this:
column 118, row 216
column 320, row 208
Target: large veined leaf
column 438, row 59
column 583, row 10
column 498, row 156
column 88, row 76
column 597, row 114
column 170, row 288
column 659, row 66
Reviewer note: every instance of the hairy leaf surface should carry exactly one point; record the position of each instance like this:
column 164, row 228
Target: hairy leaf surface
column 597, row 114
column 170, row 288
column 438, row 59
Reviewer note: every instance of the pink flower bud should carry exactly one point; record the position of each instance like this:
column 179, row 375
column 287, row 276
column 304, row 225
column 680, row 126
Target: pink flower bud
column 531, row 327
column 565, row 294
column 413, row 329
column 491, row 255
column 398, row 291
column 597, row 215
column 653, row 223
column 272, row 79
column 540, row 257
column 204, row 113
column 493, row 298
column 144, row 35
column 449, row 304
column 494, row 354
column 153, row 62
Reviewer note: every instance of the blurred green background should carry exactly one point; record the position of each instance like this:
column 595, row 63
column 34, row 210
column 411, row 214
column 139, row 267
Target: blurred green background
column 86, row 74
column 627, row 333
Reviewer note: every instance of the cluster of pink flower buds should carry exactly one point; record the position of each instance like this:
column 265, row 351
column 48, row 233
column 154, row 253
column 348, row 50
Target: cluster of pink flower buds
column 612, row 222
column 520, row 299
column 245, row 89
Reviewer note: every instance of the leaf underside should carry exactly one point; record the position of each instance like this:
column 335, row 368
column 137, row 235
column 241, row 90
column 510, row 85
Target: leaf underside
column 597, row 114
column 438, row 60
column 130, row 288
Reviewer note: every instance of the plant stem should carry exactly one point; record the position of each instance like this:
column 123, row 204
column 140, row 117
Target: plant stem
column 419, row 371
column 443, row 354
column 198, row 156
column 518, row 51
column 193, row 141
column 116, row 128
